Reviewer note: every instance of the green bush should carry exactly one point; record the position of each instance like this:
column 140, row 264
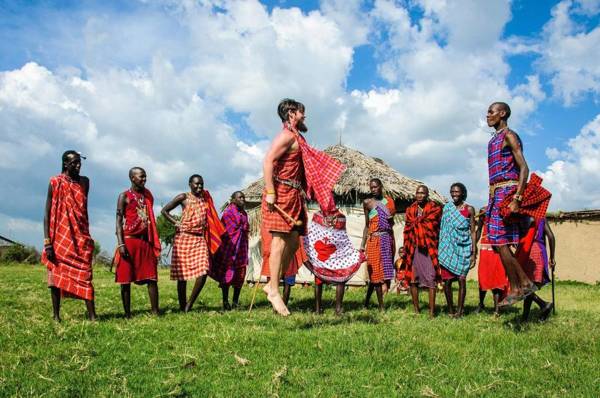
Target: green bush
column 20, row 254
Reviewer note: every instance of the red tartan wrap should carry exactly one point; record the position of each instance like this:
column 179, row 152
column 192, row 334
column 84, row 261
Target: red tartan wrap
column 534, row 204
column 331, row 256
column 422, row 231
column 73, row 246
column 321, row 172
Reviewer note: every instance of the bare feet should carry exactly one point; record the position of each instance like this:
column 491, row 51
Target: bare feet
column 276, row 301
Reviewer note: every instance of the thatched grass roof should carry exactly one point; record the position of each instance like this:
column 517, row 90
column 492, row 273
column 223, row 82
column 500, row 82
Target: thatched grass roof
column 353, row 185
column 581, row 215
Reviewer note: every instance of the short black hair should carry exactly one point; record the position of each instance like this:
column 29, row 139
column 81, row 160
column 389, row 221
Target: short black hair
column 506, row 108
column 286, row 105
column 134, row 168
column 422, row 186
column 235, row 193
column 195, row 176
column 463, row 189
column 65, row 157
column 377, row 180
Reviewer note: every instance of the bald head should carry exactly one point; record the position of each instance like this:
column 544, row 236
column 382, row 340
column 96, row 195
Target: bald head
column 135, row 170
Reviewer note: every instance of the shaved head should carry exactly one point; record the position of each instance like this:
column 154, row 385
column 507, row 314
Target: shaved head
column 503, row 106
column 134, row 170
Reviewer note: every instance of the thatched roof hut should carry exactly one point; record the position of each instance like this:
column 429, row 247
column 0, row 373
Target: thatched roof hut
column 353, row 186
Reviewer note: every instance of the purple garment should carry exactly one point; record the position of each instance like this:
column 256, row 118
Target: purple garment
column 385, row 241
column 501, row 167
column 540, row 240
column 423, row 270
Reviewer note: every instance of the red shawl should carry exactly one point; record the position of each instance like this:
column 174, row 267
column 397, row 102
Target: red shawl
column 535, row 201
column 214, row 226
column 71, row 240
column 422, row 232
column 153, row 237
column 321, row 172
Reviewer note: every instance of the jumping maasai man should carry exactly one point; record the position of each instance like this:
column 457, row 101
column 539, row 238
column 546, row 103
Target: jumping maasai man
column 456, row 251
column 68, row 246
column 231, row 260
column 537, row 267
column 290, row 167
column 138, row 247
column 378, row 241
column 198, row 236
column 421, row 235
column 508, row 173
column 490, row 272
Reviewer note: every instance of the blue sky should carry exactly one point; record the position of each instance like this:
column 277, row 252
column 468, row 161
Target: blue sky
column 184, row 87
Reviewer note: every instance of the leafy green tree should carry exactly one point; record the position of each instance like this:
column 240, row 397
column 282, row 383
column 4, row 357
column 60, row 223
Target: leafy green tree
column 166, row 230
column 20, row 254
column 97, row 248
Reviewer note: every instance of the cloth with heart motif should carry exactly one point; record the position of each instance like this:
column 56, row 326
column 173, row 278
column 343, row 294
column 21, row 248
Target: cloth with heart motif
column 331, row 256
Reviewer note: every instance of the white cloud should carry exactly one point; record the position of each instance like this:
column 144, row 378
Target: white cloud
column 155, row 87
column 574, row 175
column 571, row 51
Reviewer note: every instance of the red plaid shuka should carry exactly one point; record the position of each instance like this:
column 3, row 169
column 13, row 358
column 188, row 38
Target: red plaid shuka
column 322, row 172
column 190, row 250
column 71, row 240
column 535, row 201
column 422, row 231
column 290, row 199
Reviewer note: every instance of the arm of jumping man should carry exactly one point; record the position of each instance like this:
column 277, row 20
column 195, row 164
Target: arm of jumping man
column 515, row 146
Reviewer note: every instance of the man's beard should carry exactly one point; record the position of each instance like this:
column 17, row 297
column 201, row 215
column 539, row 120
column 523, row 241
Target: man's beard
column 302, row 127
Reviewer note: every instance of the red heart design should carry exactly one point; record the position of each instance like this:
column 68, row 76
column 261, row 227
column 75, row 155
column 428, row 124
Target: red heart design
column 324, row 249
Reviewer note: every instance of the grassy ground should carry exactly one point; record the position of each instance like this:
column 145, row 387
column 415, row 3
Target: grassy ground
column 363, row 353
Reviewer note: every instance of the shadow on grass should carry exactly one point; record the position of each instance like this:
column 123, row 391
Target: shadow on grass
column 319, row 321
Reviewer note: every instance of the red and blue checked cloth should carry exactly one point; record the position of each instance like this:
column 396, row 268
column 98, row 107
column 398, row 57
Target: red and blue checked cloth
column 69, row 233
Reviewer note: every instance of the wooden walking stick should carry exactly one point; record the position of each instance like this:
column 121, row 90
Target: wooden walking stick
column 294, row 222
column 254, row 294
column 553, row 295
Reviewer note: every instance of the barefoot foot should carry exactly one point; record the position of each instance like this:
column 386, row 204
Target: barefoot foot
column 276, row 301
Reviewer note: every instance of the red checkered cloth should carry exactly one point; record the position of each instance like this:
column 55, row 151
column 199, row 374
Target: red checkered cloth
column 69, row 233
column 422, row 230
column 190, row 250
column 322, row 172
column 295, row 263
column 534, row 204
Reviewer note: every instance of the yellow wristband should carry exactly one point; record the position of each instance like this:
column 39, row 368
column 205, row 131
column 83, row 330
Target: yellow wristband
column 270, row 192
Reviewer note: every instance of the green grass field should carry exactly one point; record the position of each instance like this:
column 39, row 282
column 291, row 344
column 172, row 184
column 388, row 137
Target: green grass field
column 362, row 353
